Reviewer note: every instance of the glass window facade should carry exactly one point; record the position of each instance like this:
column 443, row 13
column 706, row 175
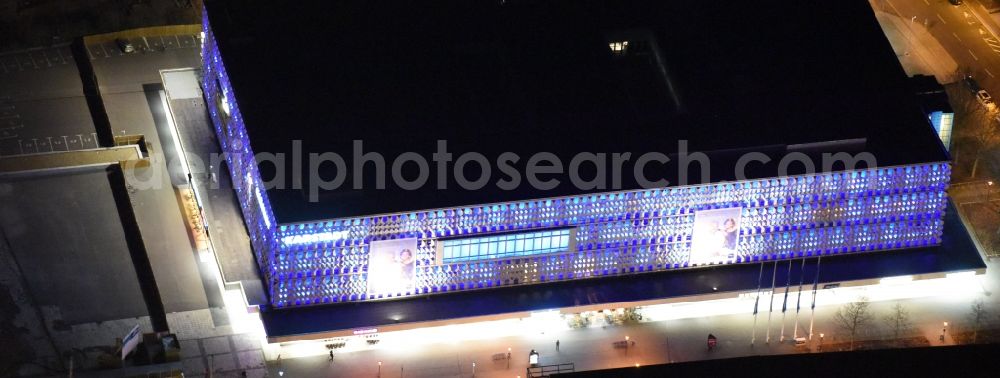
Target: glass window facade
column 505, row 246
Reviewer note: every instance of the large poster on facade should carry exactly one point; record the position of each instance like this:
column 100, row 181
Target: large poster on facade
column 715, row 235
column 391, row 266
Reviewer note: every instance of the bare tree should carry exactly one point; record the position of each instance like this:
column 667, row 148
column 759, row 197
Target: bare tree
column 977, row 315
column 898, row 321
column 854, row 317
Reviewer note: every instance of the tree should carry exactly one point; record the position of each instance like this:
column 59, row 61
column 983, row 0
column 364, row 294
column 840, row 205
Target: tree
column 977, row 315
column 854, row 317
column 898, row 320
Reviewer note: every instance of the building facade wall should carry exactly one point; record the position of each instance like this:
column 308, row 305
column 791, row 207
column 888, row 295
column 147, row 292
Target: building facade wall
column 623, row 233
column 231, row 133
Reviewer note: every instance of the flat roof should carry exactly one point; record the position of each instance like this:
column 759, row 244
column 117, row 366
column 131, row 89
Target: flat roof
column 956, row 253
column 532, row 76
column 70, row 245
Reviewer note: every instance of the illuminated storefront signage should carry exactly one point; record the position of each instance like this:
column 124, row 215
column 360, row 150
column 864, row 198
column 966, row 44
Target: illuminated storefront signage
column 365, row 331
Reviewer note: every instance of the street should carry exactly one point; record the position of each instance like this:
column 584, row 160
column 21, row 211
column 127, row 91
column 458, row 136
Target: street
column 964, row 30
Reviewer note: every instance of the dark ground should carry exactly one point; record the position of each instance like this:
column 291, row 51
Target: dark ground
column 34, row 23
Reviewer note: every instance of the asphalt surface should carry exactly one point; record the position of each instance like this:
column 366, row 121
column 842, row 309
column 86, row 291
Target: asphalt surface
column 42, row 107
column 962, row 32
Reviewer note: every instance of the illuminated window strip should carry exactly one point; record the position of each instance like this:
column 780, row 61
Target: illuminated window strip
column 505, row 246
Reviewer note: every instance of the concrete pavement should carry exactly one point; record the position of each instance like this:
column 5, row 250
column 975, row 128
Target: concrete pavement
column 917, row 50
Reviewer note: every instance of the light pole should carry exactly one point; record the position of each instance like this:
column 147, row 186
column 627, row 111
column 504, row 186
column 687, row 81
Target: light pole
column 473, row 370
column 944, row 331
column 626, row 344
column 821, row 341
column 756, row 303
column 770, row 310
column 508, row 358
column 380, row 368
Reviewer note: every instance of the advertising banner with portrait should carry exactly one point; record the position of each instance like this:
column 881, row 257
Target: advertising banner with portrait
column 715, row 235
column 391, row 266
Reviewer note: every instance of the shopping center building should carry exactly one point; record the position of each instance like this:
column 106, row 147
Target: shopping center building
column 726, row 133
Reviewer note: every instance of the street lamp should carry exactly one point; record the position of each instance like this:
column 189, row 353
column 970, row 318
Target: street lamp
column 508, row 358
column 821, row 341
column 473, row 370
column 944, row 331
column 380, row 368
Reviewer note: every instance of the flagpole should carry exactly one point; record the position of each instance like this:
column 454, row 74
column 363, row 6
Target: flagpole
column 770, row 310
column 798, row 302
column 756, row 301
column 812, row 317
column 784, row 304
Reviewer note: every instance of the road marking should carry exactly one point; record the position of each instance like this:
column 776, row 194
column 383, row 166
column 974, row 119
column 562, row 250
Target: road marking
column 926, row 2
column 941, row 18
column 51, row 147
column 988, row 72
column 973, row 55
column 95, row 140
column 65, row 143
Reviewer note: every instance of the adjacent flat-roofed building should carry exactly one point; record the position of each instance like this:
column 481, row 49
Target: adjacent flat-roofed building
column 645, row 82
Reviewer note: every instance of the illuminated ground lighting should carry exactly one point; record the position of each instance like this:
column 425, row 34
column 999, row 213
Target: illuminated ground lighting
column 896, row 280
column 408, row 342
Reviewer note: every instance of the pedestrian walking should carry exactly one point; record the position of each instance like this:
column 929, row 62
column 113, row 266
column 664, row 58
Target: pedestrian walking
column 557, row 345
column 331, row 355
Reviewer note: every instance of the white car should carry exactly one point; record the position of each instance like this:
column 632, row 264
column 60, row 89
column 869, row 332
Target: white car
column 985, row 99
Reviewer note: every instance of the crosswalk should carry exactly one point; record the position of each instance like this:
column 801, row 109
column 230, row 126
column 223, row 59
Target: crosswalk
column 993, row 43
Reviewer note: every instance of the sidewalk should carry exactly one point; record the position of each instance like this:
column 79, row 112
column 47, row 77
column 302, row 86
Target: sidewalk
column 918, row 51
column 426, row 354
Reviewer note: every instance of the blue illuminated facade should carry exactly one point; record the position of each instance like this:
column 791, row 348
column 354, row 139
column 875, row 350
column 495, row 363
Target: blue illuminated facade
column 229, row 129
column 610, row 234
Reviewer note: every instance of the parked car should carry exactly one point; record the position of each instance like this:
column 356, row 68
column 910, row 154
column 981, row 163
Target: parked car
column 971, row 83
column 955, row 2
column 125, row 45
column 985, row 99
